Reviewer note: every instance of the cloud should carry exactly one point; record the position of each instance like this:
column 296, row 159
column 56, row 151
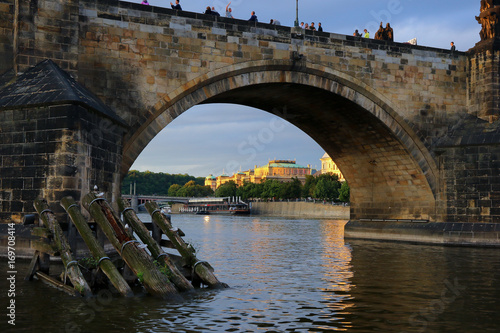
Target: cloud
column 227, row 137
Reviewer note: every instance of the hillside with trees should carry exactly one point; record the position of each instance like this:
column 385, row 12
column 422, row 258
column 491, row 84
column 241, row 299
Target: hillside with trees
column 152, row 183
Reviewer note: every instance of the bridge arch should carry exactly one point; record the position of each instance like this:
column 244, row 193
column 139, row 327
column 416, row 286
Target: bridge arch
column 391, row 173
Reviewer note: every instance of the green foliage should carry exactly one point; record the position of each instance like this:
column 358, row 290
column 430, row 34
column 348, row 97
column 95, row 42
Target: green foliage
column 271, row 189
column 307, row 189
column 345, row 192
column 249, row 190
column 226, row 190
column 173, row 190
column 163, row 268
column 291, row 190
column 151, row 183
column 140, row 277
column 190, row 189
column 88, row 262
column 324, row 187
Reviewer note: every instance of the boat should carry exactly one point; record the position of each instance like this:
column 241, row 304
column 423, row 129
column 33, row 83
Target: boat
column 213, row 206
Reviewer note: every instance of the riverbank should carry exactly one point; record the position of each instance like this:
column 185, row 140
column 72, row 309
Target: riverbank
column 301, row 210
column 294, row 209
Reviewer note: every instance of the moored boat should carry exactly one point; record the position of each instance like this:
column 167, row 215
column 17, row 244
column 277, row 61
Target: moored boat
column 209, row 206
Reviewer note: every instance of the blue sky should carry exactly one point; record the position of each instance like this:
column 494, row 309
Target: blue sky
column 210, row 139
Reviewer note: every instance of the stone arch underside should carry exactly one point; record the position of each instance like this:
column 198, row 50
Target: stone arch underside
column 390, row 172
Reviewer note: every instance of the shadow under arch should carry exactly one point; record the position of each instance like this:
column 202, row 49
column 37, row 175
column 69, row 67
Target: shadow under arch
column 391, row 173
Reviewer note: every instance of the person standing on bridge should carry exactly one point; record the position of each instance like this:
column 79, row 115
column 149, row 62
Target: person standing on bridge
column 177, row 6
column 367, row 34
column 388, row 33
column 145, row 2
column 229, row 11
column 253, row 18
column 453, row 48
column 320, row 28
column 215, row 12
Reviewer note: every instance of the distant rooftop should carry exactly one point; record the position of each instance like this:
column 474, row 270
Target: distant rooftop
column 285, row 164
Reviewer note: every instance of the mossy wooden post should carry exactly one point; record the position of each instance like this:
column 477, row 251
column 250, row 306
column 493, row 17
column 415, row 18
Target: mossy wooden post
column 156, row 251
column 44, row 248
column 139, row 261
column 70, row 264
column 201, row 268
column 104, row 262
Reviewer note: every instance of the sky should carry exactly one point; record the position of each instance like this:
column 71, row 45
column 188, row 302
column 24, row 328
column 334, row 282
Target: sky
column 225, row 138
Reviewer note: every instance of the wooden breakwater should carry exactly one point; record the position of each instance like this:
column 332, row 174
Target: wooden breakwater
column 154, row 269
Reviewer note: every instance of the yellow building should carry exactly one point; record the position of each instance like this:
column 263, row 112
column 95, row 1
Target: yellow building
column 329, row 166
column 211, row 181
column 281, row 170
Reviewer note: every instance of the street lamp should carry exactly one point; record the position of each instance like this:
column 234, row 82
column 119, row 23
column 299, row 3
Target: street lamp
column 297, row 13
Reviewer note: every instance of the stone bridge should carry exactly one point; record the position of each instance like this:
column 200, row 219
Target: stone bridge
column 413, row 129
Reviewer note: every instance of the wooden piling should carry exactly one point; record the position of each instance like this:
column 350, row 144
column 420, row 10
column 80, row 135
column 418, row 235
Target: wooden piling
column 201, row 268
column 104, row 262
column 70, row 264
column 161, row 256
column 135, row 257
column 56, row 283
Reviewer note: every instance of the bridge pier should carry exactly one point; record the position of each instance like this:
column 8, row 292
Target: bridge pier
column 57, row 140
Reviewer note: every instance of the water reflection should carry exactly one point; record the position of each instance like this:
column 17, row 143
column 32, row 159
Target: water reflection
column 291, row 276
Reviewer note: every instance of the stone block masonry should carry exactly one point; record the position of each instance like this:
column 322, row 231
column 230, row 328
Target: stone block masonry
column 53, row 152
column 414, row 129
column 7, row 10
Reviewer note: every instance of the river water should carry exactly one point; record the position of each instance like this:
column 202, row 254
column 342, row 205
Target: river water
column 288, row 275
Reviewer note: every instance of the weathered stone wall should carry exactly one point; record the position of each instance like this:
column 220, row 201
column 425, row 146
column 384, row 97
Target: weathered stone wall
column 52, row 152
column 301, row 210
column 472, row 177
column 379, row 109
column 484, row 80
column 6, row 35
column 48, row 29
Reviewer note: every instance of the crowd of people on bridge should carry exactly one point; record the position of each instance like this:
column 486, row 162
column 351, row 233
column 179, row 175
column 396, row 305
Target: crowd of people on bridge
column 382, row 33
column 229, row 13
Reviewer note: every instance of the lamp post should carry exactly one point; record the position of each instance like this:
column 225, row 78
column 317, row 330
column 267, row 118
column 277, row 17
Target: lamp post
column 297, row 13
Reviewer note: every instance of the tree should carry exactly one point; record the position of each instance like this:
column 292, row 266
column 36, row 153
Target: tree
column 345, row 192
column 271, row 189
column 173, row 190
column 291, row 190
column 249, row 190
column 227, row 189
column 325, row 187
column 148, row 183
column 308, row 188
column 191, row 189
